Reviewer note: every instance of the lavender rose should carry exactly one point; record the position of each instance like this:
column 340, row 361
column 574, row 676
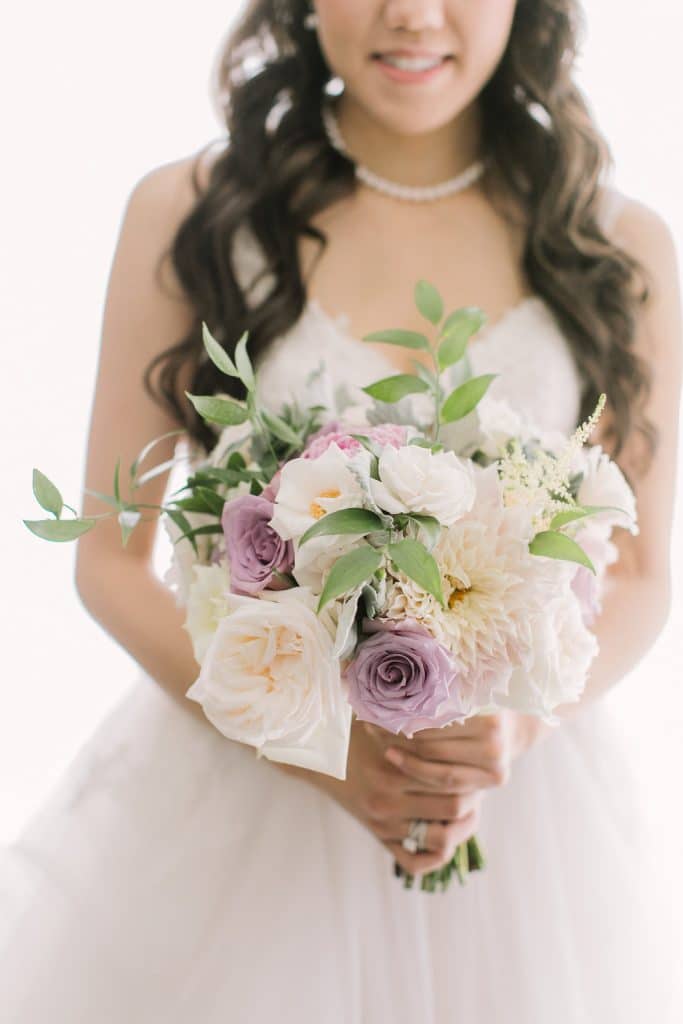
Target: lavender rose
column 255, row 552
column 400, row 676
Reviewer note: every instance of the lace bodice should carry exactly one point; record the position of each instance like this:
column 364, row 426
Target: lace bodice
column 537, row 372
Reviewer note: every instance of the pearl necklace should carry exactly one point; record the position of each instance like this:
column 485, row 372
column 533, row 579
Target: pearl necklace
column 416, row 193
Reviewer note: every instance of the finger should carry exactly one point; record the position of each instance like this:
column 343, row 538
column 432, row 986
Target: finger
column 470, row 752
column 439, row 836
column 415, row 863
column 469, row 730
column 444, row 843
column 446, row 776
column 442, row 807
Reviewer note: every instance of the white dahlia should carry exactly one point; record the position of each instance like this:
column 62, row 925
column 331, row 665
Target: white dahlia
column 492, row 587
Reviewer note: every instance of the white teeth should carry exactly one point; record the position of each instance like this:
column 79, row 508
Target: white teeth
column 412, row 63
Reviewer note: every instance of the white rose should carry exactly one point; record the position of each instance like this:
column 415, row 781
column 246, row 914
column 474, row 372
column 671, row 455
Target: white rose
column 207, row 604
column 415, row 479
column 561, row 650
column 498, row 424
column 604, row 484
column 310, row 488
column 269, row 679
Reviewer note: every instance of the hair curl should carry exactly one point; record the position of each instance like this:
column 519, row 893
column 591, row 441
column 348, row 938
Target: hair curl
column 547, row 154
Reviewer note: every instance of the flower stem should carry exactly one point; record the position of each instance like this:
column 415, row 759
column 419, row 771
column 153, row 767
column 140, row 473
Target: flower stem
column 468, row 857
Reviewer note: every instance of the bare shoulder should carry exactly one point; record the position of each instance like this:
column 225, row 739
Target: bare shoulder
column 645, row 234
column 173, row 188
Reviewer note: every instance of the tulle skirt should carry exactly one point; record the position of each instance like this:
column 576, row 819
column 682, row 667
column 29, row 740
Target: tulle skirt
column 172, row 876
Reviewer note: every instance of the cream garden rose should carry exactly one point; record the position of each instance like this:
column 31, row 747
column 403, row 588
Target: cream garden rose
column 268, row 679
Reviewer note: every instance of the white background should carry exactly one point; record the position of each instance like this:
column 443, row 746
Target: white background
column 95, row 96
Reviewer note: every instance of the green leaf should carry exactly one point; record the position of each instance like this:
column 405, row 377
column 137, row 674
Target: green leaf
column 196, row 503
column 465, row 398
column 346, row 520
column 430, row 525
column 459, row 328
column 183, row 524
column 107, row 498
column 59, row 529
column 46, row 494
column 424, row 373
column 349, row 571
column 396, row 336
column 117, row 470
column 217, row 354
column 243, row 363
column 231, row 477
column 200, row 531
column 470, row 315
column 393, row 389
column 412, row 558
column 368, row 444
column 163, row 467
column 422, row 442
column 280, row 428
column 575, row 512
column 428, row 301
column 237, row 461
column 148, row 448
column 219, row 410
column 213, row 500
column 569, row 515
column 552, row 544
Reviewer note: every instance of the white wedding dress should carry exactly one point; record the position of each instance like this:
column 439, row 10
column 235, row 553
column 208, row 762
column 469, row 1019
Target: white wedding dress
column 173, row 877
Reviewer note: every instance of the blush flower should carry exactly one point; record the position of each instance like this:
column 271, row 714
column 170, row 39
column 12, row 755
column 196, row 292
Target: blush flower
column 588, row 586
column 384, row 434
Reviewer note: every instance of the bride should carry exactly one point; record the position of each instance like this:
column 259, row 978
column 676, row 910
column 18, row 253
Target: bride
column 173, row 876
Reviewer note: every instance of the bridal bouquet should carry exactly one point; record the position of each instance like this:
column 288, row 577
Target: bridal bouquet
column 414, row 560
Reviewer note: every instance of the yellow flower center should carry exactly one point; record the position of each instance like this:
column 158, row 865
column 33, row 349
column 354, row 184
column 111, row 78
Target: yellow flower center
column 316, row 510
column 458, row 592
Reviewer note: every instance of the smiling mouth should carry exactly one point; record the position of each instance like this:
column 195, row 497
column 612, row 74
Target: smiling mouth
column 417, row 61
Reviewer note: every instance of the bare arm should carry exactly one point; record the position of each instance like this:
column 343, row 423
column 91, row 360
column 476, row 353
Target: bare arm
column 141, row 318
column 638, row 595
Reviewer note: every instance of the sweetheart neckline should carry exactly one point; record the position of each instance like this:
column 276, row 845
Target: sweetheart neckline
column 312, row 307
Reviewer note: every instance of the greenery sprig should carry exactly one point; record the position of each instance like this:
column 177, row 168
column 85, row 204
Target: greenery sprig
column 404, row 540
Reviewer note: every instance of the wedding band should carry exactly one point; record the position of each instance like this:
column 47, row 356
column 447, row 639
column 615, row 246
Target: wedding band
column 414, row 842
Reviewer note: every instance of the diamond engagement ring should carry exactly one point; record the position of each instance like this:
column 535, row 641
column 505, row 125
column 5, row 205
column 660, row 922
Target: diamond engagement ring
column 414, row 842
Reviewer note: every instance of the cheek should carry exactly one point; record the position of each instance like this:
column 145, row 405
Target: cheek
column 344, row 28
column 484, row 28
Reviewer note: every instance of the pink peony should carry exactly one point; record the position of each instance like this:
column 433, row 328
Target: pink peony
column 385, row 434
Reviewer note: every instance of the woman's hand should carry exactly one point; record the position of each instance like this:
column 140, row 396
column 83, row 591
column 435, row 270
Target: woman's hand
column 385, row 800
column 476, row 754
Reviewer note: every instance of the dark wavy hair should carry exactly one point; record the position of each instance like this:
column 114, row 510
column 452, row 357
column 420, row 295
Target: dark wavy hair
column 279, row 170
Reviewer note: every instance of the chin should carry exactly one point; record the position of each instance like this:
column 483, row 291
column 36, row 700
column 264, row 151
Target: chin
column 413, row 118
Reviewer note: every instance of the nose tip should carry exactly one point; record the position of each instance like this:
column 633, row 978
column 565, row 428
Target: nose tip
column 413, row 15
